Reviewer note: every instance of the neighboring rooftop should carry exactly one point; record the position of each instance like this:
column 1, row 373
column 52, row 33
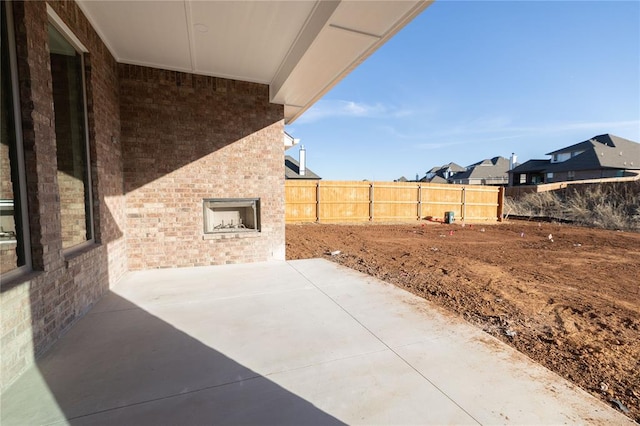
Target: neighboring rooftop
column 600, row 152
column 292, row 170
column 489, row 168
column 532, row 166
column 441, row 174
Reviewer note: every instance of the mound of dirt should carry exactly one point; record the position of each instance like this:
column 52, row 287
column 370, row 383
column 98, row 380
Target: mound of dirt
column 568, row 297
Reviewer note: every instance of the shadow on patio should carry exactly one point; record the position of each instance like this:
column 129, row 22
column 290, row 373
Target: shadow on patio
column 301, row 342
column 123, row 365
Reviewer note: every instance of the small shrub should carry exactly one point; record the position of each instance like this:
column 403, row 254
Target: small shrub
column 604, row 205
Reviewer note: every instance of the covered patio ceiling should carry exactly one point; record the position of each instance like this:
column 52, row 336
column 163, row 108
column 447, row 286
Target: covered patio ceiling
column 301, row 49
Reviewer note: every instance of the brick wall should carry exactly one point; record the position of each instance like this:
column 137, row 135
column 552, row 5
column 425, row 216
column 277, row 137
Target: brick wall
column 36, row 309
column 186, row 138
column 585, row 174
column 160, row 142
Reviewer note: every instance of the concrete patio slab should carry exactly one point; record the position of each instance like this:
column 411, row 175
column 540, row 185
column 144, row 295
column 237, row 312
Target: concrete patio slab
column 301, row 342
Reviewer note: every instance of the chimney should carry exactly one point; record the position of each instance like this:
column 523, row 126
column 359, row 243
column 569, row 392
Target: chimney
column 303, row 161
column 513, row 161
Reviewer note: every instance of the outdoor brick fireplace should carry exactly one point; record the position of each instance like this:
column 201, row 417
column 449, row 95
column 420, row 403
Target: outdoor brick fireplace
column 231, row 215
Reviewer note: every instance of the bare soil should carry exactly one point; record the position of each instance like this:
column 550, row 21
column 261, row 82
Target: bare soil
column 566, row 296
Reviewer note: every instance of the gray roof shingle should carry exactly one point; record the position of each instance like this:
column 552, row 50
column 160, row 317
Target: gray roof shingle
column 292, row 170
column 600, row 152
column 489, row 168
column 531, row 166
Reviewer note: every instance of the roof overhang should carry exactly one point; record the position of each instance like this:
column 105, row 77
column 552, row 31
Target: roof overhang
column 301, row 49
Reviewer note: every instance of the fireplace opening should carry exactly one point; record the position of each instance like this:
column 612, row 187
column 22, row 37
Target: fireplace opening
column 231, row 215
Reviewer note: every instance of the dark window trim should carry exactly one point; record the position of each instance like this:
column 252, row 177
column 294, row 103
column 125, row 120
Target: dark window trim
column 17, row 118
column 66, row 32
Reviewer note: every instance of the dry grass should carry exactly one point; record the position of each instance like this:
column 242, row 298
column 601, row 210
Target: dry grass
column 603, row 205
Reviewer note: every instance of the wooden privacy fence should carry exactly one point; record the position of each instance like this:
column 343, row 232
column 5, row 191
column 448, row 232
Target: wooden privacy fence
column 356, row 201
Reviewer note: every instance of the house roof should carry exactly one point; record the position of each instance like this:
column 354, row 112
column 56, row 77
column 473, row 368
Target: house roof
column 437, row 179
column 292, row 170
column 487, row 168
column 606, row 140
column 600, row 152
column 439, row 172
column 301, row 49
column 453, row 166
column 531, row 166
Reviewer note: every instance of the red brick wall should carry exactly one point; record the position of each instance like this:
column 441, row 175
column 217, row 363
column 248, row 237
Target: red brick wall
column 186, row 138
column 160, row 142
column 38, row 308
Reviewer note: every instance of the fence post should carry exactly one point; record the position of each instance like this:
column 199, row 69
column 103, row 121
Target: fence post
column 371, row 202
column 419, row 201
column 500, row 203
column 464, row 203
column 318, row 202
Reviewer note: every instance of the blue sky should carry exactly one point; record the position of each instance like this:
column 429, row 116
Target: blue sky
column 465, row 81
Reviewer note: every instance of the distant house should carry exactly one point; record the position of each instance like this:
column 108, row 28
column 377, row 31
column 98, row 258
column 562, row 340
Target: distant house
column 442, row 174
column 531, row 172
column 292, row 169
column 435, row 179
column 603, row 156
column 492, row 171
column 296, row 169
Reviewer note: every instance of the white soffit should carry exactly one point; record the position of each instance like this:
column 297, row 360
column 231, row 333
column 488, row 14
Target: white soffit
column 300, row 48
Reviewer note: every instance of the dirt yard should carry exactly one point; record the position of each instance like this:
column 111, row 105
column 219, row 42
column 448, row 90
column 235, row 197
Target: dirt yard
column 566, row 296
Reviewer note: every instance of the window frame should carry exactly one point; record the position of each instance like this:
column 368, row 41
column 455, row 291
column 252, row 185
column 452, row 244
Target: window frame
column 55, row 21
column 17, row 123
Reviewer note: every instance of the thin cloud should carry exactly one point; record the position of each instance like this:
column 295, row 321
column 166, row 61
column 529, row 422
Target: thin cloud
column 502, row 129
column 436, row 145
column 494, row 129
column 324, row 109
column 502, row 125
column 589, row 125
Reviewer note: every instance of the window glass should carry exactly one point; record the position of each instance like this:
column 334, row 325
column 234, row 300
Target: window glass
column 71, row 141
column 12, row 237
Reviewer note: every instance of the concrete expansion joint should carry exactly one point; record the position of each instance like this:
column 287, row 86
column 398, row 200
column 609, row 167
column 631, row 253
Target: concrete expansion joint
column 193, row 391
column 387, row 346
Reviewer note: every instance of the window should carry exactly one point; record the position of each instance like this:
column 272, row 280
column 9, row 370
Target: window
column 571, row 174
column 561, row 157
column 549, row 176
column 67, row 75
column 14, row 230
